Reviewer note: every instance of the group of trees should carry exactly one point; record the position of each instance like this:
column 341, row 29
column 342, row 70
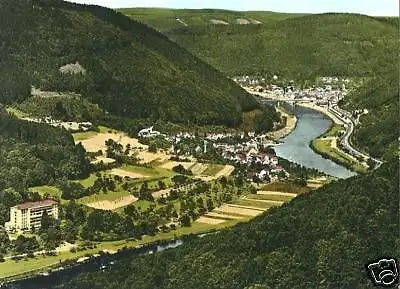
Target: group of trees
column 323, row 238
column 47, row 36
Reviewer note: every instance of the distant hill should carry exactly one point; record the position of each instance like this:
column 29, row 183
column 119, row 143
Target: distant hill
column 293, row 45
column 322, row 239
column 127, row 68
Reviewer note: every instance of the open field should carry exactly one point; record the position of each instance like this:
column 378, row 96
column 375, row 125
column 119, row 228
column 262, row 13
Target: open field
column 113, row 205
column 97, row 141
column 171, row 164
column 207, row 220
column 226, row 171
column 80, row 136
column 274, row 193
column 109, row 196
column 212, row 169
column 274, row 197
column 228, row 208
column 125, row 173
column 223, row 216
column 94, row 142
column 285, row 188
column 198, row 168
column 50, row 190
column 328, row 147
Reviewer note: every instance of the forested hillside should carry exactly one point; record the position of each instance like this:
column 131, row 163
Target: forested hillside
column 378, row 130
column 34, row 154
column 294, row 46
column 127, row 68
column 322, row 239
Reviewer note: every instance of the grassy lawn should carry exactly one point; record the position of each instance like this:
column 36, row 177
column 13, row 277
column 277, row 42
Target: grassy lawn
column 104, row 129
column 18, row 113
column 140, row 170
column 212, row 169
column 13, row 268
column 42, row 190
column 88, row 182
column 79, row 136
column 108, row 196
column 334, row 130
column 324, row 147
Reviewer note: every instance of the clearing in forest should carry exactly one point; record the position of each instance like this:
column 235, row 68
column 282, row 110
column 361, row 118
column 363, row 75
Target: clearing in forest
column 108, row 205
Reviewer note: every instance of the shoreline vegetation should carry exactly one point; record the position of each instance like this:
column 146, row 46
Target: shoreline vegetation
column 290, row 125
column 16, row 270
column 326, row 144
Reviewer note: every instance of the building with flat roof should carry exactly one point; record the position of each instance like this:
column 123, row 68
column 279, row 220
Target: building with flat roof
column 28, row 215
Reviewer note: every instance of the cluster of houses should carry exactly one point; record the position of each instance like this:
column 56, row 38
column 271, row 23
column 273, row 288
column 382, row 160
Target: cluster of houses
column 68, row 125
column 240, row 148
column 330, row 90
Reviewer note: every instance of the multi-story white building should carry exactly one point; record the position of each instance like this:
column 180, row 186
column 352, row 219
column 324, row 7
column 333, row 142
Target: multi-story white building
column 29, row 215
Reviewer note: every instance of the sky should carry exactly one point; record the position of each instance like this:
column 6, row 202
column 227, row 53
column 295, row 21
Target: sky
column 369, row 7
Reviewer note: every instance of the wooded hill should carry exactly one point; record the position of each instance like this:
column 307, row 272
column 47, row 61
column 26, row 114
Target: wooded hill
column 378, row 130
column 301, row 47
column 292, row 45
column 321, row 239
column 127, row 68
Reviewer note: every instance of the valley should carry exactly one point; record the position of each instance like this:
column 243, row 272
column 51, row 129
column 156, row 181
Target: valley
column 158, row 148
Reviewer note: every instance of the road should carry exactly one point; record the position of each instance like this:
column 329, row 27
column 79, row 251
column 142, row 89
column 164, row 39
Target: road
column 341, row 114
column 350, row 124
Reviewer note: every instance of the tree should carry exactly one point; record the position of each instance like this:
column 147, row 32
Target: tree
column 46, row 222
column 4, row 240
column 185, row 220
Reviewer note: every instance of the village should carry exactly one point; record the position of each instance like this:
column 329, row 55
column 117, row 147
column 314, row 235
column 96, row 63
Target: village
column 251, row 150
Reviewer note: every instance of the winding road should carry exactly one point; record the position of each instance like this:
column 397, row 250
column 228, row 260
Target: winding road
column 344, row 116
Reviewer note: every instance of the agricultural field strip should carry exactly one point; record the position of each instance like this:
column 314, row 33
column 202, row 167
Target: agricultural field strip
column 211, row 221
column 240, row 210
column 276, row 193
column 223, row 216
column 246, row 207
column 264, row 201
column 126, row 173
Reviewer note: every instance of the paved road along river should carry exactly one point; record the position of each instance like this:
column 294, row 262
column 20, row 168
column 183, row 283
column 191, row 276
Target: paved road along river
column 296, row 146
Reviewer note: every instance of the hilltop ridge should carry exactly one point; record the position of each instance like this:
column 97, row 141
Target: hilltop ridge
column 127, row 68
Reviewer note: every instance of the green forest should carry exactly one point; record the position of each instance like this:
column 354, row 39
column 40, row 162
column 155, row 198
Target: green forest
column 127, row 68
column 295, row 46
column 323, row 237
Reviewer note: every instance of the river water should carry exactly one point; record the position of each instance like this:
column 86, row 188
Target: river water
column 62, row 275
column 296, row 146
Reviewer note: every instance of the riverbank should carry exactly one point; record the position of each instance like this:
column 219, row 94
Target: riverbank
column 327, row 146
column 290, row 125
column 11, row 270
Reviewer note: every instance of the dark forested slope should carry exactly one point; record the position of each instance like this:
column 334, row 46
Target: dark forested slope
column 127, row 68
column 379, row 126
column 322, row 239
column 292, row 46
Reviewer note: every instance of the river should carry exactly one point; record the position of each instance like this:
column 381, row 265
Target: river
column 296, row 146
column 105, row 262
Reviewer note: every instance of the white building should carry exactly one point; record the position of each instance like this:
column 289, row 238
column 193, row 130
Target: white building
column 27, row 215
column 148, row 132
